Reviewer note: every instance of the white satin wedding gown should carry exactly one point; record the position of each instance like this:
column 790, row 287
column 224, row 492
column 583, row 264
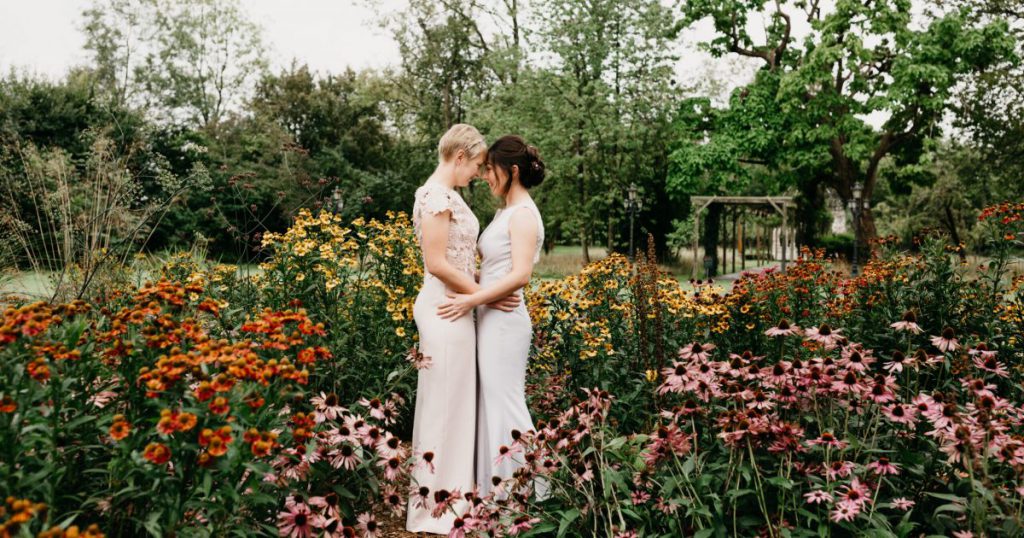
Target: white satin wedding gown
column 503, row 346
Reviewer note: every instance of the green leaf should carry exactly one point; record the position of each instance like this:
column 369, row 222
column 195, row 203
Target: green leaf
column 152, row 524
column 567, row 519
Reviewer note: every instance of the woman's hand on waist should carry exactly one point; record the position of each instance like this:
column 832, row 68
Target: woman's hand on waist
column 507, row 303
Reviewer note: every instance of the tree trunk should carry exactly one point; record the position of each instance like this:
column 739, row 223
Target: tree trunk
column 581, row 185
column 954, row 232
column 611, row 234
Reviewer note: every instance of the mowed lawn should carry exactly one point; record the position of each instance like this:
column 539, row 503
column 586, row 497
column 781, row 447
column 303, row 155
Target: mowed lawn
column 561, row 261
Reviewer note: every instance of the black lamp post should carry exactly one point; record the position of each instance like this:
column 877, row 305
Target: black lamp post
column 633, row 205
column 856, row 207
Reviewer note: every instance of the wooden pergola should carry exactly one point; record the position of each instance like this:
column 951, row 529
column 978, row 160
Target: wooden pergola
column 763, row 204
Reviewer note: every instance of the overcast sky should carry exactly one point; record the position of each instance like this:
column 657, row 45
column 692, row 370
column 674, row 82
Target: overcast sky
column 43, row 36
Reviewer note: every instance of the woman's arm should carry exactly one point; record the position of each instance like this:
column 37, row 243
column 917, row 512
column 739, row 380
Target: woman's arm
column 434, row 230
column 523, row 234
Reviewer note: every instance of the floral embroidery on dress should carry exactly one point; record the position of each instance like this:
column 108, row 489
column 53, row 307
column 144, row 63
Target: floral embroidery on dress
column 435, row 198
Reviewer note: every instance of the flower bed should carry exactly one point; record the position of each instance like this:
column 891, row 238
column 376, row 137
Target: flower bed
column 797, row 404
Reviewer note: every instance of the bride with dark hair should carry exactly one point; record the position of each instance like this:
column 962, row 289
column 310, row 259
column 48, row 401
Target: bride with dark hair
column 509, row 247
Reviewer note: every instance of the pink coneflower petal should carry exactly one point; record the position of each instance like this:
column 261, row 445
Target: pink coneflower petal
column 946, row 341
column 366, row 523
column 902, row 503
column 783, row 329
column 818, row 496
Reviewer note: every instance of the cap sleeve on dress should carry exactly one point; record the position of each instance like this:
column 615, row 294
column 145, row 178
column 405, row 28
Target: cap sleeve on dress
column 437, row 200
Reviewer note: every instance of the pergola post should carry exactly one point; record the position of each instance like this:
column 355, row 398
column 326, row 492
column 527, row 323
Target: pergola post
column 696, row 241
column 784, row 236
column 696, row 233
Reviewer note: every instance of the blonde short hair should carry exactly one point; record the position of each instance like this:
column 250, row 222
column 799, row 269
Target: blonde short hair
column 461, row 136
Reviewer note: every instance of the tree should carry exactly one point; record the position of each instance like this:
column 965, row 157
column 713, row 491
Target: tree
column 859, row 59
column 340, row 123
column 606, row 96
column 443, row 64
column 184, row 60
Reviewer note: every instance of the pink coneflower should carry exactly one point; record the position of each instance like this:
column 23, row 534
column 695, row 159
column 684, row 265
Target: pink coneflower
column 391, row 447
column 640, row 497
column 783, row 329
column 328, row 504
column 779, row 373
column 848, row 383
column 902, row 503
column 583, row 473
column 946, row 341
column 922, row 357
column 695, row 351
column 845, row 512
column 881, row 391
column 443, row 500
column 817, row 497
column 505, row 453
column 419, row 360
column 760, row 400
column 829, row 440
column 736, row 366
column 898, row 362
column 824, row 335
column 344, row 457
column 369, row 435
column 856, row 494
column 978, row 387
column 908, row 323
column 923, row 403
column 375, row 406
column 942, row 415
column 298, row 521
column 667, row 506
column 341, row 434
column 883, row 466
column 857, row 359
column 839, row 469
column 959, row 441
column 102, row 398
column 393, row 500
column 982, row 350
column 963, row 534
column 990, row 364
column 427, row 460
column 675, row 378
column 392, row 468
column 326, row 406
column 900, row 414
column 419, row 496
column 459, row 527
column 522, row 524
column 368, row 525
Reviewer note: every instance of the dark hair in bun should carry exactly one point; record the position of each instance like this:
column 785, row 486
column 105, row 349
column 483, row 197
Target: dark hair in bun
column 512, row 150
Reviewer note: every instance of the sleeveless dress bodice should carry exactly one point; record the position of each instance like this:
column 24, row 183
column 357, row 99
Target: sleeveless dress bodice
column 495, row 244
